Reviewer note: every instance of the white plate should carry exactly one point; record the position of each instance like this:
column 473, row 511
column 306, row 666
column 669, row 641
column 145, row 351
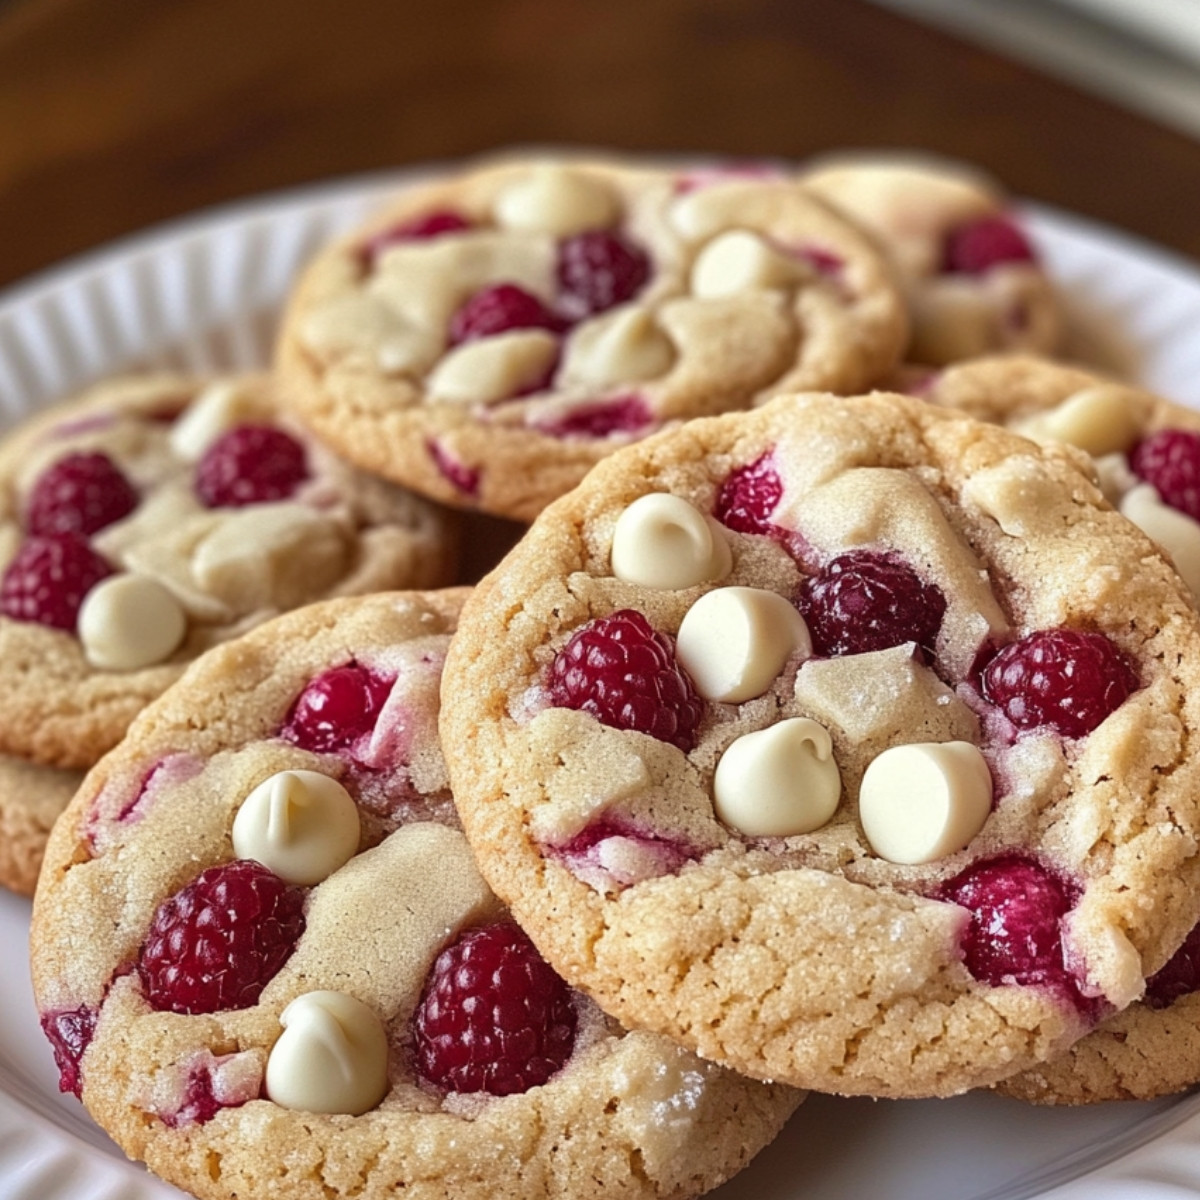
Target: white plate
column 203, row 294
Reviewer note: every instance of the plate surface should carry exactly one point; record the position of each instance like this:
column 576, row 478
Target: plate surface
column 203, row 294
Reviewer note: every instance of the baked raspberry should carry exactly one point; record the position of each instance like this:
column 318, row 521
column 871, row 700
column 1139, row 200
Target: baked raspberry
column 70, row 1033
column 81, row 493
column 1169, row 461
column 628, row 414
column 250, row 464
column 417, row 229
column 497, row 309
column 598, row 270
column 1067, row 679
column 493, row 1017
column 624, row 673
column 865, row 600
column 48, row 578
column 1179, row 976
column 219, row 941
column 465, row 479
column 612, row 850
column 976, row 247
column 337, row 708
column 749, row 496
column 200, row 1104
column 1015, row 932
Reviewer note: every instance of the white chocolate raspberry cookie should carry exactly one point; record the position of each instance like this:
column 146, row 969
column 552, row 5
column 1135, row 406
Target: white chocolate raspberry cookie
column 31, row 798
column 923, row 842
column 495, row 333
column 155, row 516
column 972, row 276
column 266, row 960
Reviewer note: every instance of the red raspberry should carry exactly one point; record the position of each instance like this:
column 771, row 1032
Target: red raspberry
column 219, row 941
column 416, row 229
column 988, row 242
column 70, row 1033
column 624, row 673
column 81, row 493
column 1180, row 976
column 498, row 309
column 1169, row 461
column 864, row 601
column 493, row 1017
column 48, row 578
column 337, row 708
column 250, row 464
column 749, row 496
column 597, row 271
column 627, row 414
column 1067, row 679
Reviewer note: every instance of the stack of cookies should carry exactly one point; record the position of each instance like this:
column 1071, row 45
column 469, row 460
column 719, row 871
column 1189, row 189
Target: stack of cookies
column 819, row 732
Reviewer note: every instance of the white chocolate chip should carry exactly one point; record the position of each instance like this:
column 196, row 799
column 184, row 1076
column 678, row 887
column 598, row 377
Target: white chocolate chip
column 662, row 541
column 741, row 261
column 1097, row 419
column 779, row 781
column 493, row 368
column 216, row 410
column 301, row 824
column 130, row 621
column 626, row 345
column 557, row 200
column 1115, row 476
column 1176, row 532
column 332, row 1056
column 734, row 641
column 921, row 802
column 367, row 326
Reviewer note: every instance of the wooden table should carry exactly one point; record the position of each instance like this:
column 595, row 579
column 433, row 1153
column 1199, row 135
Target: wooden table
column 119, row 113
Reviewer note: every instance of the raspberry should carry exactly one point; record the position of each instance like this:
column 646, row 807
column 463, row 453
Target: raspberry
column 81, row 493
column 498, row 309
column 250, row 464
column 988, row 242
column 624, row 673
column 336, row 709
column 1169, row 461
column 70, row 1033
column 749, row 496
column 864, row 601
column 48, row 578
column 416, row 229
column 465, row 479
column 1180, row 976
column 1064, row 678
column 628, row 414
column 598, row 270
column 1015, row 933
column 219, row 941
column 493, row 1017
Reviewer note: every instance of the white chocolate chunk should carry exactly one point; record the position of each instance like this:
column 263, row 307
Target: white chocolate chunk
column 130, row 621
column 1116, row 477
column 662, row 541
column 779, row 781
column 1176, row 532
column 493, row 368
column 219, row 408
column 1020, row 496
column 741, row 261
column 706, row 211
column 625, row 345
column 331, row 1057
column 734, row 641
column 363, row 324
column 1097, row 419
column 921, row 802
column 558, row 200
column 301, row 824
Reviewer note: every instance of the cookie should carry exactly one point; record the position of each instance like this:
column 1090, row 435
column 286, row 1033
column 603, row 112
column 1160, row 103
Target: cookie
column 289, row 797
column 156, row 516
column 31, row 798
column 972, row 275
column 846, row 741
column 496, row 332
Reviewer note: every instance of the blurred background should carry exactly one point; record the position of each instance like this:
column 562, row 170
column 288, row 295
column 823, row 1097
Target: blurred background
column 116, row 114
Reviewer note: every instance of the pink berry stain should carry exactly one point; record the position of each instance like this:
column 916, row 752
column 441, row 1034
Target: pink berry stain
column 70, row 1033
column 123, row 801
column 1179, row 977
column 614, row 853
column 980, row 245
column 1169, row 460
column 601, row 419
column 416, row 229
column 463, row 478
column 207, row 1083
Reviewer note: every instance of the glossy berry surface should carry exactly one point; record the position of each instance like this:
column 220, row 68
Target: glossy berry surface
column 416, row 229
column 980, row 245
column 70, row 1034
column 48, row 578
column 498, row 309
column 1169, row 461
column 1178, row 977
column 220, row 940
column 337, row 708
column 628, row 414
column 493, row 1017
column 250, row 464
column 749, row 496
column 1067, row 679
column 864, row 601
column 598, row 270
column 81, row 493
column 623, row 672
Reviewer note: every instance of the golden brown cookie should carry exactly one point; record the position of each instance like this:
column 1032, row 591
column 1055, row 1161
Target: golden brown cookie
column 31, row 798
